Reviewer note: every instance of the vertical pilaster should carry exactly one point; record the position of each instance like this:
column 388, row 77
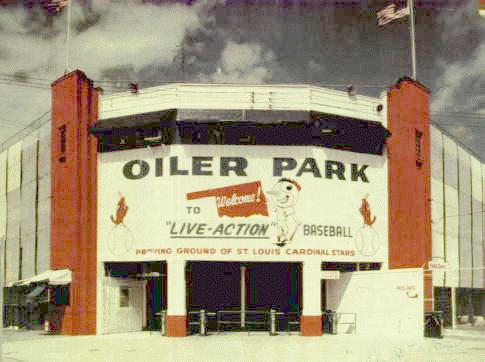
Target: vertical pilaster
column 409, row 179
column 243, row 296
column 311, row 319
column 409, row 175
column 176, row 300
column 73, row 216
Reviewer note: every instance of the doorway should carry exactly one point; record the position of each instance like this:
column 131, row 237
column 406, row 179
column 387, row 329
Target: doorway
column 238, row 295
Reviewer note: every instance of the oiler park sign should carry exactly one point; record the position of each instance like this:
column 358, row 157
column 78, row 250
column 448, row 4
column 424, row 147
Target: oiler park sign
column 212, row 203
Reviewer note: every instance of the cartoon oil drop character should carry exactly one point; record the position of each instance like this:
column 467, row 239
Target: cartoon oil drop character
column 284, row 196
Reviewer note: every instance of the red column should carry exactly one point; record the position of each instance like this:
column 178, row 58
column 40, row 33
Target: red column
column 410, row 180
column 73, row 214
column 177, row 326
column 310, row 326
column 409, row 176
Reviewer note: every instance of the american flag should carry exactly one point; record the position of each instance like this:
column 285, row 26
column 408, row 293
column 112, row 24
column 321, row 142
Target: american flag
column 390, row 13
column 55, row 6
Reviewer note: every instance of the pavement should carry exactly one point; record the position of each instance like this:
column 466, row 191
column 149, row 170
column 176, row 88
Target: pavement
column 457, row 345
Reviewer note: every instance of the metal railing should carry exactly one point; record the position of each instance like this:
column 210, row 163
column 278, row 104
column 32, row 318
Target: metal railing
column 255, row 319
column 349, row 319
column 260, row 320
column 271, row 320
column 292, row 321
column 201, row 320
column 162, row 315
column 433, row 324
column 332, row 322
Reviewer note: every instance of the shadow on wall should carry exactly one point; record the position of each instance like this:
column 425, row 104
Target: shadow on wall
column 333, row 300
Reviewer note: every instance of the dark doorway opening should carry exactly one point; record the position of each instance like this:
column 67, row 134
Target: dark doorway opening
column 442, row 302
column 238, row 296
column 156, row 294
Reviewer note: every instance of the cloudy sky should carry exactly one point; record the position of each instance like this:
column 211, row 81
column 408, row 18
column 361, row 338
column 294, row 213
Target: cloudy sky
column 328, row 43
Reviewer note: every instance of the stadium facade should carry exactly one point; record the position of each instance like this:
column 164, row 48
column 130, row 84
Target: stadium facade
column 236, row 199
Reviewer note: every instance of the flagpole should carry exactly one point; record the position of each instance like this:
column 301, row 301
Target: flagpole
column 68, row 35
column 413, row 40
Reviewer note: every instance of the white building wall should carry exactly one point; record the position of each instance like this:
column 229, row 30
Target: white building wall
column 457, row 188
column 3, row 207
column 483, row 226
column 13, row 213
column 476, row 218
column 28, row 205
column 44, row 199
column 233, row 96
column 465, row 226
column 25, row 204
column 437, row 203
column 451, row 219
column 385, row 302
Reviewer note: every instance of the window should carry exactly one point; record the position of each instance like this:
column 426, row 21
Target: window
column 124, row 297
column 369, row 266
column 419, row 155
column 247, row 140
column 62, row 143
column 343, row 267
column 60, row 295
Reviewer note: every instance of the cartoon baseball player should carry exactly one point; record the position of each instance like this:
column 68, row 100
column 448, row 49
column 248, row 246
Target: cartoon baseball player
column 284, row 196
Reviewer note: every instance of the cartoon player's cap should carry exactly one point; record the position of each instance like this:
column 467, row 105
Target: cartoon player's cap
column 297, row 185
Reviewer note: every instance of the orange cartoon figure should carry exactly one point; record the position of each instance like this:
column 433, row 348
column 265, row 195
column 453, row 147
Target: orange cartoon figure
column 120, row 212
column 366, row 213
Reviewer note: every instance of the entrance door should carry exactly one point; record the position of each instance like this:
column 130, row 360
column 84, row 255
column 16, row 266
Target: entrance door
column 123, row 307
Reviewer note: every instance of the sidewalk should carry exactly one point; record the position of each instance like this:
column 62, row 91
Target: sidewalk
column 143, row 346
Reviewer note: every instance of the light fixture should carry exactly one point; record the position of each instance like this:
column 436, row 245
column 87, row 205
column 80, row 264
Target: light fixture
column 153, row 141
column 327, row 131
column 134, row 88
column 350, row 90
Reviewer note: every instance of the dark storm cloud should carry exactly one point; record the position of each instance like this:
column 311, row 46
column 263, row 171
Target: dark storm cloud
column 329, row 43
column 461, row 82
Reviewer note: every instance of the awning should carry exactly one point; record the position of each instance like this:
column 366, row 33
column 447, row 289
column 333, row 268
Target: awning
column 38, row 290
column 50, row 277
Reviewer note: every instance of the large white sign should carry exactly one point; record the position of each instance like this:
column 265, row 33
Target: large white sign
column 212, row 202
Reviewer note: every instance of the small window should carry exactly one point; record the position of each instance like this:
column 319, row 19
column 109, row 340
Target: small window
column 62, row 143
column 124, row 297
column 419, row 155
column 247, row 140
column 60, row 295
